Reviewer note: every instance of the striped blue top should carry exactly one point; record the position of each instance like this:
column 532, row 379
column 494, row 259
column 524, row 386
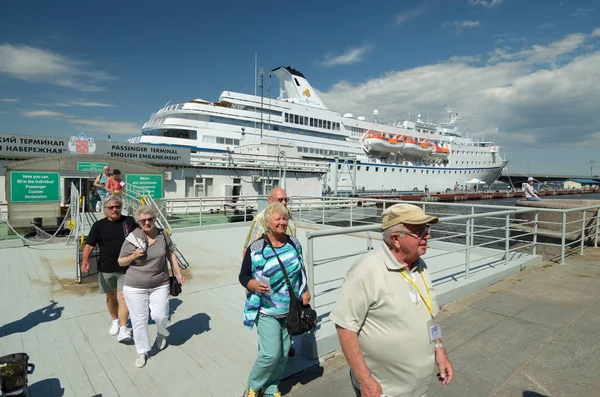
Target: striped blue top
column 263, row 260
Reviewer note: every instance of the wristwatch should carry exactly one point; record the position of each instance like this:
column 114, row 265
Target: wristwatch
column 438, row 345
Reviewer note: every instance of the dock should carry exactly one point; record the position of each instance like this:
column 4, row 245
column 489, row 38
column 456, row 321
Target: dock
column 63, row 325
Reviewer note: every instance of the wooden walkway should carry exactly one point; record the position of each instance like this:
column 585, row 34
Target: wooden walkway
column 63, row 326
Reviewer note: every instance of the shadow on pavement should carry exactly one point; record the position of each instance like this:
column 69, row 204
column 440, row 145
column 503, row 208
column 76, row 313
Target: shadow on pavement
column 302, row 378
column 183, row 330
column 533, row 394
column 33, row 319
column 47, row 387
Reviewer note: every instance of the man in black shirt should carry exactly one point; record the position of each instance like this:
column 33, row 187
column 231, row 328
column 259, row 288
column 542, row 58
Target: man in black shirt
column 109, row 234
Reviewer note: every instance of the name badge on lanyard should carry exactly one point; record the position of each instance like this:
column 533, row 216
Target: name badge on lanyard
column 435, row 330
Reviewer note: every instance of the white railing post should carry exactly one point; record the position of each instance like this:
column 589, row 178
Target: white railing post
column 563, row 237
column 369, row 242
column 310, row 268
column 300, row 210
column 351, row 212
column 472, row 227
column 535, row 230
column 597, row 224
column 468, row 248
column 200, row 216
column 582, row 232
column 246, row 207
column 507, row 236
column 323, row 212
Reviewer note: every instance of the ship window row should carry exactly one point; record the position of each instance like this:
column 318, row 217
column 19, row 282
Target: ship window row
column 414, row 170
column 220, row 140
column 478, row 153
column 304, row 120
column 172, row 133
column 324, row 152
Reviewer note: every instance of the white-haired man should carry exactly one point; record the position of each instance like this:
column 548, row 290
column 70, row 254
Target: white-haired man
column 385, row 313
column 109, row 234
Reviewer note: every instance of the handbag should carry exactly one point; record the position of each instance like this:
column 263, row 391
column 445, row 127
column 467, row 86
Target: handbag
column 174, row 286
column 300, row 318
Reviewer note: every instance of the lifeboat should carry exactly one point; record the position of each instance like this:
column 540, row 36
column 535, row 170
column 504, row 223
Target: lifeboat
column 414, row 148
column 440, row 151
column 375, row 142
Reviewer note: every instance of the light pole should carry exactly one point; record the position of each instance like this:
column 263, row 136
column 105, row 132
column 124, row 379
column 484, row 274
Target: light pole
column 528, row 165
column 592, row 162
column 262, row 76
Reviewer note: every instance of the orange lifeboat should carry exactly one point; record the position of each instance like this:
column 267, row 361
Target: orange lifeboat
column 374, row 141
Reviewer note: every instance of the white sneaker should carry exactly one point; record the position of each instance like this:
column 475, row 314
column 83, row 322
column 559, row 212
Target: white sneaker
column 114, row 328
column 140, row 361
column 124, row 335
column 161, row 341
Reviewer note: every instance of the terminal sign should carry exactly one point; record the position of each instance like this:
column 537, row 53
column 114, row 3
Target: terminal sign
column 90, row 167
column 34, row 187
column 153, row 183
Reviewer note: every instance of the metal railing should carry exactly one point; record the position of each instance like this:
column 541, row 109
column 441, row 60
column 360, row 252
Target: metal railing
column 497, row 232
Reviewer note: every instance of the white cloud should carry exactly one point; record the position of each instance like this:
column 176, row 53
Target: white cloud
column 486, row 3
column 539, row 53
column 582, row 12
column 412, row 13
column 547, row 25
column 465, row 59
column 460, row 25
column 42, row 113
column 88, row 125
column 38, row 65
column 113, row 127
column 89, row 104
column 595, row 33
column 350, row 56
column 9, row 100
column 520, row 103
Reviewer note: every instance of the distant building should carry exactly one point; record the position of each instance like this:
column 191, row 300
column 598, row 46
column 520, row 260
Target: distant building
column 580, row 183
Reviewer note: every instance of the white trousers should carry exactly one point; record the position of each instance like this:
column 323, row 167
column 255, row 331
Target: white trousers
column 138, row 301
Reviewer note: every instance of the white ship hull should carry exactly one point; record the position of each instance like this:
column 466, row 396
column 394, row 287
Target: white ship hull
column 300, row 118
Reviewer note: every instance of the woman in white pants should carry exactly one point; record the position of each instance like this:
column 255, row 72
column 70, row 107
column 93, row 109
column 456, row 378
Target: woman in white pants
column 145, row 251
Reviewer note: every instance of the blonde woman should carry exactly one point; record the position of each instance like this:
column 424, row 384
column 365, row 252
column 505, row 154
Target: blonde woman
column 268, row 299
column 145, row 251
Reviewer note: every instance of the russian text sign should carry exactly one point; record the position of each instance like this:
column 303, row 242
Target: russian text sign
column 153, row 183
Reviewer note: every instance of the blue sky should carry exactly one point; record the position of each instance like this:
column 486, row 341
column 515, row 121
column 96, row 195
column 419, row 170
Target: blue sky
column 523, row 73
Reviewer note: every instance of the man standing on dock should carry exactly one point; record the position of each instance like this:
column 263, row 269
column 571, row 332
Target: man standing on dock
column 109, row 234
column 385, row 313
column 530, row 194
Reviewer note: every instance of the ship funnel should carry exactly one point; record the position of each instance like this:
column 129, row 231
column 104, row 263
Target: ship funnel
column 294, row 87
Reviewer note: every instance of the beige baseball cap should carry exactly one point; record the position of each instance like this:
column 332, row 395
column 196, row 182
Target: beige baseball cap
column 405, row 213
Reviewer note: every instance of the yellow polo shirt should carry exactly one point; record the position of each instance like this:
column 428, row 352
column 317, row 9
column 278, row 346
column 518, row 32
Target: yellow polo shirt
column 384, row 309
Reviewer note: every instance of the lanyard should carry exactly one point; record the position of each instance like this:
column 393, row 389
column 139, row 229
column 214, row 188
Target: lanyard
column 428, row 303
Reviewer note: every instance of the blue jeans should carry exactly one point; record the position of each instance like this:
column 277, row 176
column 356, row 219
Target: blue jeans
column 273, row 345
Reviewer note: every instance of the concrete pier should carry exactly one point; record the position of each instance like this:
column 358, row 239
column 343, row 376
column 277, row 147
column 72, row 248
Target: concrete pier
column 531, row 335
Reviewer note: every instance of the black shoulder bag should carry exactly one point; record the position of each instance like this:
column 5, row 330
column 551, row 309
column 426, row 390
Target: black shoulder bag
column 300, row 318
column 174, row 286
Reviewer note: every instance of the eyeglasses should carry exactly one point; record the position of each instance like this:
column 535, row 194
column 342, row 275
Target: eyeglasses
column 282, row 199
column 418, row 234
column 149, row 220
column 114, row 207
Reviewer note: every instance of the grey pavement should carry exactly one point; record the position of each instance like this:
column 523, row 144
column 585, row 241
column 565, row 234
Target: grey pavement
column 533, row 334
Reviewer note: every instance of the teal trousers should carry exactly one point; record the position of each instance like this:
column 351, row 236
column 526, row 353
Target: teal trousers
column 273, row 345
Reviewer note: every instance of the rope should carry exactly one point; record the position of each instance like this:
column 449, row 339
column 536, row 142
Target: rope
column 33, row 240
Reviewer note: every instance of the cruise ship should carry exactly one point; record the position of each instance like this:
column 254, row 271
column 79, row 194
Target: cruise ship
column 364, row 155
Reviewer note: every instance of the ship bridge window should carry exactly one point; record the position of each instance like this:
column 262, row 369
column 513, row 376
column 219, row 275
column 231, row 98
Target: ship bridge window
column 172, row 133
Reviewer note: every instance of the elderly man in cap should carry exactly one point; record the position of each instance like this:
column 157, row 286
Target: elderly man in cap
column 530, row 194
column 385, row 313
